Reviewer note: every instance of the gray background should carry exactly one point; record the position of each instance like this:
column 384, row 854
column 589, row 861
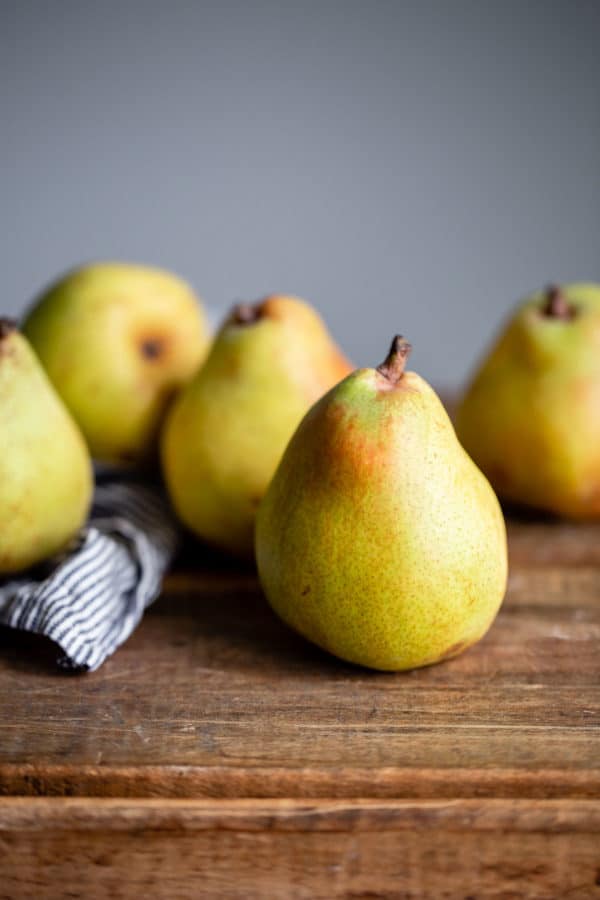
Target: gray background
column 406, row 166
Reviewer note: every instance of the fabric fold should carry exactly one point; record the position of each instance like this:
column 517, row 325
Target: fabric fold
column 91, row 599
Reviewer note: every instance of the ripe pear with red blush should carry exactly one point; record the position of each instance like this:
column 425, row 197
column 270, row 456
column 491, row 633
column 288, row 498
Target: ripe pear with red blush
column 531, row 416
column 227, row 430
column 379, row 539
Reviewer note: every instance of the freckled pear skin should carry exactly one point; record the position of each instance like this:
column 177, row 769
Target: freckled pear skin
column 531, row 416
column 227, row 430
column 117, row 340
column 45, row 469
column 379, row 539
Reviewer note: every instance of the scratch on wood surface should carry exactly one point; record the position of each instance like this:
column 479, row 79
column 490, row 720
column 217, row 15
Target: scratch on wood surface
column 139, row 730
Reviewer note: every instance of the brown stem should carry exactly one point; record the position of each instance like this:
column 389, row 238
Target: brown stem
column 393, row 366
column 556, row 305
column 7, row 326
column 246, row 313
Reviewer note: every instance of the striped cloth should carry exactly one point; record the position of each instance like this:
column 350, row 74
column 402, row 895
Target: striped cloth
column 89, row 600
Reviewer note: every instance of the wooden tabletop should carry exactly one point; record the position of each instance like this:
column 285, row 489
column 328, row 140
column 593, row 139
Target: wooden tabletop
column 256, row 765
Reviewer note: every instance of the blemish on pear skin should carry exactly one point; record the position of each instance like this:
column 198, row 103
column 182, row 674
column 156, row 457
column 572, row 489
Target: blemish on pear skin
column 152, row 348
column 306, row 590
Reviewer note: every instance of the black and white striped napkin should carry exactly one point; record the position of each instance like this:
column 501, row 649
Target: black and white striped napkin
column 90, row 599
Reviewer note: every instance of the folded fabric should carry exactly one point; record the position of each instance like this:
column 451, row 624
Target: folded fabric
column 90, row 599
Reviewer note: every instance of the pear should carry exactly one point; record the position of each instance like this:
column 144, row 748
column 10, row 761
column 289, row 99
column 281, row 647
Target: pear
column 378, row 538
column 117, row 341
column 226, row 432
column 531, row 416
column 45, row 469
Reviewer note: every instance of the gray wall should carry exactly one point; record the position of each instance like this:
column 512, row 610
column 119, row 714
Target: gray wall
column 407, row 166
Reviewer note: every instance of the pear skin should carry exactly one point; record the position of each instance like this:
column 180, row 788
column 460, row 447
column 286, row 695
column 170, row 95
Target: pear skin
column 531, row 416
column 118, row 340
column 379, row 539
column 226, row 432
column 45, row 469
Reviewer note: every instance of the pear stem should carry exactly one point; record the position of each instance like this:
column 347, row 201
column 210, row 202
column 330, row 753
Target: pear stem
column 393, row 366
column 7, row 326
column 246, row 313
column 557, row 305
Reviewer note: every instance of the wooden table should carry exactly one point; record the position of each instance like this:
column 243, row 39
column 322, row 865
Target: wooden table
column 217, row 754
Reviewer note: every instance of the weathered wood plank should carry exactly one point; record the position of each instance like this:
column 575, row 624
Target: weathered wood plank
column 476, row 778
column 212, row 679
column 179, row 849
column 213, row 682
column 340, row 781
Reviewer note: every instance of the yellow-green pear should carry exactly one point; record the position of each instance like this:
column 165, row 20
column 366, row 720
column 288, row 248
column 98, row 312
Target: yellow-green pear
column 45, row 468
column 117, row 341
column 531, row 415
column 228, row 428
column 378, row 538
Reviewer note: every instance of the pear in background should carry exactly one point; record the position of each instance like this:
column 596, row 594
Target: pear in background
column 117, row 340
column 379, row 539
column 531, row 416
column 228, row 428
column 45, row 469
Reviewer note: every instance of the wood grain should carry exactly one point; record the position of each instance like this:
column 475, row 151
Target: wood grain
column 293, row 849
column 211, row 678
column 341, row 781
column 220, row 750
